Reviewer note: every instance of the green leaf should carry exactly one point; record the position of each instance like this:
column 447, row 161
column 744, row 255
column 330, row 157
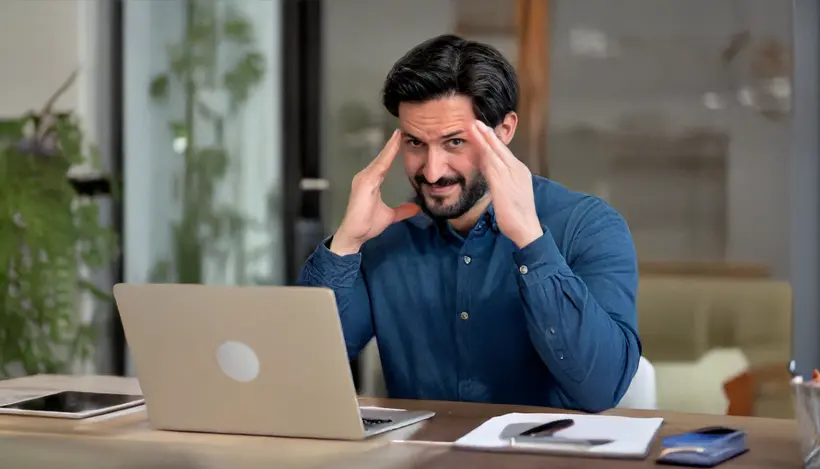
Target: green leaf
column 236, row 28
column 158, row 89
column 11, row 130
column 99, row 294
column 179, row 129
column 246, row 74
column 213, row 162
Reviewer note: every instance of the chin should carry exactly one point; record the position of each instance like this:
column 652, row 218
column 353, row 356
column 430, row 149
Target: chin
column 440, row 205
column 443, row 200
column 444, row 212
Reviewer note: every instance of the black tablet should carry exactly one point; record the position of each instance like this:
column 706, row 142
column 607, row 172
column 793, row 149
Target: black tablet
column 72, row 404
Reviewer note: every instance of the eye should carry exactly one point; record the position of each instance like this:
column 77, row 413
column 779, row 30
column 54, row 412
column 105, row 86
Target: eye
column 455, row 143
column 413, row 142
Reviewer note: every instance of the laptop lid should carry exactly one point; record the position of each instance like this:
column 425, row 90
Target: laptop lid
column 248, row 360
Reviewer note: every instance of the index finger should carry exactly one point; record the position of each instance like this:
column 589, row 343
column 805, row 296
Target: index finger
column 495, row 143
column 381, row 164
column 488, row 154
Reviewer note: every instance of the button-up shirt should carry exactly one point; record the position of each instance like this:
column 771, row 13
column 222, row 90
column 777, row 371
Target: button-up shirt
column 474, row 318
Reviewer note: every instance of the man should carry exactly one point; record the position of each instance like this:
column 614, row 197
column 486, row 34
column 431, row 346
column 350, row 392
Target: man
column 496, row 286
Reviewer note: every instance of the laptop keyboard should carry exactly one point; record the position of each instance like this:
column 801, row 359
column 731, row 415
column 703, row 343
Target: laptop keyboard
column 369, row 423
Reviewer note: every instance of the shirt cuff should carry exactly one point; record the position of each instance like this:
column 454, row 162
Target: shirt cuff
column 539, row 259
column 331, row 269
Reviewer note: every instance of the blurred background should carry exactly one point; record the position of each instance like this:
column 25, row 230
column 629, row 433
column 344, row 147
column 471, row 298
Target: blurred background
column 213, row 141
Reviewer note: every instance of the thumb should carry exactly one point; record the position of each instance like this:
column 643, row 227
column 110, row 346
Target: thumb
column 405, row 211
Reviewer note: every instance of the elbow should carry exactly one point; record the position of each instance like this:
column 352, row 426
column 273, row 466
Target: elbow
column 596, row 399
column 595, row 394
column 598, row 396
column 608, row 381
column 597, row 406
column 623, row 380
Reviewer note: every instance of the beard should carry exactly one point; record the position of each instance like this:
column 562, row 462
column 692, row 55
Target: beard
column 436, row 206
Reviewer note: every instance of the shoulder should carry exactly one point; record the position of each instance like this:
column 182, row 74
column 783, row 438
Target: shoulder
column 576, row 209
column 586, row 224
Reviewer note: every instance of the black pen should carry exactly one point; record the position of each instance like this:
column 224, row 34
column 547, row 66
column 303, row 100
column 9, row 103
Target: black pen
column 548, row 428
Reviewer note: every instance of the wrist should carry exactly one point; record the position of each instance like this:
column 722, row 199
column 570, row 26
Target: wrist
column 343, row 246
column 532, row 232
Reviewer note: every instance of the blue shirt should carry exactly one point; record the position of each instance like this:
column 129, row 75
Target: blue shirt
column 474, row 318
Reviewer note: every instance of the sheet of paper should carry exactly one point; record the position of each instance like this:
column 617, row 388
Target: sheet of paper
column 632, row 436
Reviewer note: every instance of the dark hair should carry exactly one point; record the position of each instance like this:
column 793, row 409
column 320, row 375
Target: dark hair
column 448, row 65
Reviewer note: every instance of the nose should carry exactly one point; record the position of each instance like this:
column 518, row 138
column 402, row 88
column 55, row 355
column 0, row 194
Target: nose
column 436, row 166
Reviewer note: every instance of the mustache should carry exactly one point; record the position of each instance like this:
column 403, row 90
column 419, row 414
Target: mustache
column 442, row 182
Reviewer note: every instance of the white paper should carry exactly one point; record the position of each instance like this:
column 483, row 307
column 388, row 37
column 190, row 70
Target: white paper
column 632, row 436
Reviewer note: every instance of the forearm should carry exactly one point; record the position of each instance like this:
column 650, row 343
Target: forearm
column 591, row 350
column 343, row 275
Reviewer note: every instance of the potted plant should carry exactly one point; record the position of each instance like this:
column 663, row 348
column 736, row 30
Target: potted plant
column 49, row 234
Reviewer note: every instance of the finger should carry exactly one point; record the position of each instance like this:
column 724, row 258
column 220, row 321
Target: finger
column 496, row 144
column 489, row 159
column 405, row 211
column 381, row 164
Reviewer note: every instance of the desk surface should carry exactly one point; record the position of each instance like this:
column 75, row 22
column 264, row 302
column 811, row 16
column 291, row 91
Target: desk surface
column 46, row 443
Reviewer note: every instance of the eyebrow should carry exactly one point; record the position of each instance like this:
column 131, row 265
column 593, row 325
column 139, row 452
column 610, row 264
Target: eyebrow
column 443, row 137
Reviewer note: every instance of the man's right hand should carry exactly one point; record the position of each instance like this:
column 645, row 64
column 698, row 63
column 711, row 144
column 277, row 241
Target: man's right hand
column 367, row 216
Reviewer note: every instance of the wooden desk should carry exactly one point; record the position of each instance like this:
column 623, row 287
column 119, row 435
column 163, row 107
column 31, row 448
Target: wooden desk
column 47, row 443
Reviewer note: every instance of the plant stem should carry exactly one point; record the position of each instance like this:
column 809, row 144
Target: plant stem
column 191, row 272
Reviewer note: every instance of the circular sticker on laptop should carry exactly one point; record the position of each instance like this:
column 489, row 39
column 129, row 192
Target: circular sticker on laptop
column 238, row 361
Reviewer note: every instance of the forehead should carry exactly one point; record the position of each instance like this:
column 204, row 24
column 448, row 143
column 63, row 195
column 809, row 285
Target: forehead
column 433, row 119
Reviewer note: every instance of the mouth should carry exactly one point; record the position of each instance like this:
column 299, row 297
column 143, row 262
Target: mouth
column 441, row 190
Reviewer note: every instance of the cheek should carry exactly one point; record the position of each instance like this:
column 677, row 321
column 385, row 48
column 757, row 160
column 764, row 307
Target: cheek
column 412, row 162
column 465, row 161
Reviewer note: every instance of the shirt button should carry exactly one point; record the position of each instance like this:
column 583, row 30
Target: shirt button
column 523, row 269
column 560, row 355
column 552, row 330
column 464, row 315
column 467, row 260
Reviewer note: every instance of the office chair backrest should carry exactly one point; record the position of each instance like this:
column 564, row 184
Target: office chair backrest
column 643, row 392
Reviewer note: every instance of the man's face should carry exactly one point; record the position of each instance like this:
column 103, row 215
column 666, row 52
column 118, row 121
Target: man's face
column 441, row 162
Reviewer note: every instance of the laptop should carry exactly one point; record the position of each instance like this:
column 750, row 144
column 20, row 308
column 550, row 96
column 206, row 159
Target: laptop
column 255, row 360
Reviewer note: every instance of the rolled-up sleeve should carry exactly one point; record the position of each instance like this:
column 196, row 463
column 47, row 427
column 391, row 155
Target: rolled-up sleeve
column 343, row 275
column 582, row 317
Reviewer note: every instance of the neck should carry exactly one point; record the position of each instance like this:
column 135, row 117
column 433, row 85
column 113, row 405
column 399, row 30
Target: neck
column 466, row 222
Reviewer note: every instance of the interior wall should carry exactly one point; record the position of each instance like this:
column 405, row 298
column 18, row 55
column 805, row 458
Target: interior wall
column 663, row 57
column 36, row 64
column 665, row 67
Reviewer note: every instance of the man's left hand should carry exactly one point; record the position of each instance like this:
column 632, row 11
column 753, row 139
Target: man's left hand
column 510, row 184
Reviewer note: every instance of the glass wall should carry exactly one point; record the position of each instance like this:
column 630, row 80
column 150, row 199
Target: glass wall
column 202, row 156
column 677, row 112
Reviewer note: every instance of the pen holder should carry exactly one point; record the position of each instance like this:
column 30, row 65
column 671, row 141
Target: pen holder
column 807, row 413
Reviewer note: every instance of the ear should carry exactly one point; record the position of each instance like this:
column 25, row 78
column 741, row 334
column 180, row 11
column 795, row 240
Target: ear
column 506, row 129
